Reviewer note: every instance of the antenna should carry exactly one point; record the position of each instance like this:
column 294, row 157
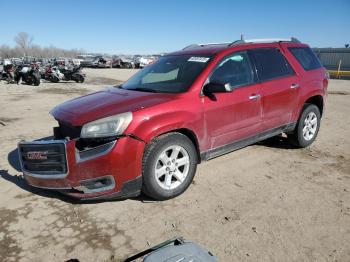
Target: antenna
column 242, row 37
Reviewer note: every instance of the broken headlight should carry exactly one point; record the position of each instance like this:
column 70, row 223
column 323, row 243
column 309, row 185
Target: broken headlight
column 107, row 127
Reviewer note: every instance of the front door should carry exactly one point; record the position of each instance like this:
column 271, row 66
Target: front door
column 232, row 116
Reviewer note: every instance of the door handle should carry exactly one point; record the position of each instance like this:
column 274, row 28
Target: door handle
column 294, row 86
column 254, row 97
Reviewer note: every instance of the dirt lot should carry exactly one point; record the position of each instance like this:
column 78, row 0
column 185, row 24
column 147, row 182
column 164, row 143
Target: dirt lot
column 267, row 202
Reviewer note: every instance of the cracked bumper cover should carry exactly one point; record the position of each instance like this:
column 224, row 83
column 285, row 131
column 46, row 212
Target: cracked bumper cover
column 120, row 165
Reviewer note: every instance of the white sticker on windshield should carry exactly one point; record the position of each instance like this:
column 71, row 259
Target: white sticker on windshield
column 198, row 59
column 237, row 58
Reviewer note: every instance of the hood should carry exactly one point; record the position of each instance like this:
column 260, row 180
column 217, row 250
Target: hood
column 111, row 101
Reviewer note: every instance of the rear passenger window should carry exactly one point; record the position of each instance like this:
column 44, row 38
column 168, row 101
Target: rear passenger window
column 306, row 57
column 270, row 63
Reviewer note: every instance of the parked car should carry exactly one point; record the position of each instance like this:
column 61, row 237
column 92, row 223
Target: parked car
column 87, row 63
column 27, row 60
column 17, row 61
column 86, row 60
column 141, row 61
column 148, row 134
column 122, row 62
column 102, row 62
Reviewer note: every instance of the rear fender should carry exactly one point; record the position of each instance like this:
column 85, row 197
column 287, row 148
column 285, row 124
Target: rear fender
column 303, row 100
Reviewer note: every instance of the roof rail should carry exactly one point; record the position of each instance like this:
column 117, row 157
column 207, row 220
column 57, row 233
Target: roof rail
column 202, row 45
column 242, row 41
column 272, row 40
column 237, row 42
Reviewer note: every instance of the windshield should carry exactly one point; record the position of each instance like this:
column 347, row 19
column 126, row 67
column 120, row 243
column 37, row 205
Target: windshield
column 169, row 74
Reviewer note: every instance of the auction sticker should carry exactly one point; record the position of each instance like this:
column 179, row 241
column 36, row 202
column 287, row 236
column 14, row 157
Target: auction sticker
column 198, row 59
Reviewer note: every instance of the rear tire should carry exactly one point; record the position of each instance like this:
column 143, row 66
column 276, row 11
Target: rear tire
column 169, row 165
column 307, row 127
column 54, row 79
column 79, row 79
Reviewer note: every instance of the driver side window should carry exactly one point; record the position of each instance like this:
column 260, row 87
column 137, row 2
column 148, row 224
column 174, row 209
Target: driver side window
column 234, row 69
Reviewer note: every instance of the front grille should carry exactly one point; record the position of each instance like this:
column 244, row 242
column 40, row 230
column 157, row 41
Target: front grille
column 65, row 130
column 43, row 159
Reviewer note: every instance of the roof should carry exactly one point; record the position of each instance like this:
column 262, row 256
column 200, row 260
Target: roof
column 201, row 50
column 214, row 48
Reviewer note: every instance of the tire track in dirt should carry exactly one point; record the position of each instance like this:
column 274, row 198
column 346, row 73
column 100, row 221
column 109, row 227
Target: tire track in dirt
column 68, row 227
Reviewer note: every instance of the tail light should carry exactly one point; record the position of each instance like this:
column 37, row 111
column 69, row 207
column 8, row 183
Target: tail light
column 327, row 75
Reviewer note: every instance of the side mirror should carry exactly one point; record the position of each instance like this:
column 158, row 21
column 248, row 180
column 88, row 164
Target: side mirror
column 213, row 87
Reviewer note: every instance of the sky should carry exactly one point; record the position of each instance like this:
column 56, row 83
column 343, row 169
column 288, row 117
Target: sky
column 145, row 27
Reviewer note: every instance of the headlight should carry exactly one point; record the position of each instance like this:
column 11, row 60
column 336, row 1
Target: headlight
column 106, row 127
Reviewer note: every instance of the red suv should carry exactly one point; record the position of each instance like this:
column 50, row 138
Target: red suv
column 148, row 134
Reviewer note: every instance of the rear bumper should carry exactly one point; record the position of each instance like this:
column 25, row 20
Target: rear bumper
column 111, row 170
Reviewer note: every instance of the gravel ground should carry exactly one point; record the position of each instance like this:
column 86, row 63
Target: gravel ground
column 266, row 202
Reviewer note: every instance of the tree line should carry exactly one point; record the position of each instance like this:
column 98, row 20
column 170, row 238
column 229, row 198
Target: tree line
column 26, row 47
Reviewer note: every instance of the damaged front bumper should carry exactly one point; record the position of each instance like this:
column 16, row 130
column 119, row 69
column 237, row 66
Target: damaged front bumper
column 110, row 170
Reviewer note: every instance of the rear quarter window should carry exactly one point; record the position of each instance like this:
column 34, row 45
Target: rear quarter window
column 306, row 57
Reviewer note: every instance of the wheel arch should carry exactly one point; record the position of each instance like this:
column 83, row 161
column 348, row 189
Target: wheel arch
column 316, row 100
column 190, row 134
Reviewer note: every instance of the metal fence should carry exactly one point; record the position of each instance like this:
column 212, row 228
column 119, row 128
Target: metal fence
column 335, row 60
column 330, row 57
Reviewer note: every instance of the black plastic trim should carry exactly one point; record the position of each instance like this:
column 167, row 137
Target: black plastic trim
column 94, row 152
column 131, row 188
column 221, row 150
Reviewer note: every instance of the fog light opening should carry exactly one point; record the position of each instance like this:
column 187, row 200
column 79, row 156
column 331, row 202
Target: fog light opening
column 96, row 185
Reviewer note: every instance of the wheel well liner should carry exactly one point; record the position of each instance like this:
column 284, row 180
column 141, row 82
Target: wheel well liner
column 317, row 101
column 191, row 135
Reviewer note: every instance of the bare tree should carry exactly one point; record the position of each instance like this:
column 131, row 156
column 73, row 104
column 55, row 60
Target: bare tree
column 26, row 47
column 24, row 41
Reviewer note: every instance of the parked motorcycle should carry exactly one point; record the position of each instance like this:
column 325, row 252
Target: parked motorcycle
column 53, row 74
column 28, row 74
column 8, row 73
column 74, row 73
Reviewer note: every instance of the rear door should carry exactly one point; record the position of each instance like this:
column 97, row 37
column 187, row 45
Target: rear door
column 236, row 115
column 279, row 86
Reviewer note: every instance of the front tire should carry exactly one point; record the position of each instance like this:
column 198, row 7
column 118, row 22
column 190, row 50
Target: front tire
column 307, row 127
column 169, row 165
column 36, row 80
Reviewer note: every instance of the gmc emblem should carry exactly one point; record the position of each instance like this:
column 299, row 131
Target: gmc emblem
column 37, row 155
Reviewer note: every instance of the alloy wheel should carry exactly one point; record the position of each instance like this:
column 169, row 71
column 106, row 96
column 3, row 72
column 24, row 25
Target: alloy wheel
column 310, row 126
column 172, row 167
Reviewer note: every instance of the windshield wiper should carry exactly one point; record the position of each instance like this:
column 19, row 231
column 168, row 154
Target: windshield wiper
column 142, row 89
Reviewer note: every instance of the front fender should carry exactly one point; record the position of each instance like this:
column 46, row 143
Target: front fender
column 148, row 127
